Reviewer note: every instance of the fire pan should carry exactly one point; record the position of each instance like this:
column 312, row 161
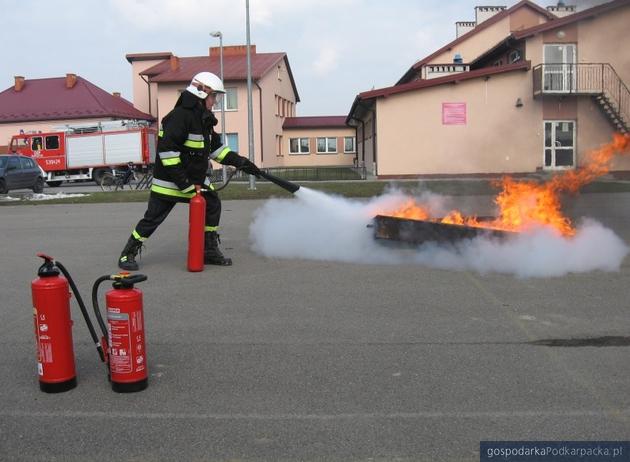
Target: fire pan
column 420, row 231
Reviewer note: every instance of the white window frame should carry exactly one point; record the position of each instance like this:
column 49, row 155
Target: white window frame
column 354, row 144
column 299, row 152
column 328, row 150
column 565, row 69
column 223, row 100
column 554, row 146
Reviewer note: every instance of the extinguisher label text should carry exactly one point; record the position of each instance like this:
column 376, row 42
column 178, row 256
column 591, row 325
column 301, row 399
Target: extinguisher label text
column 119, row 342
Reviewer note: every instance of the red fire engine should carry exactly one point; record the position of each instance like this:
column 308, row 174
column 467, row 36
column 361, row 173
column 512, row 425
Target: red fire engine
column 85, row 152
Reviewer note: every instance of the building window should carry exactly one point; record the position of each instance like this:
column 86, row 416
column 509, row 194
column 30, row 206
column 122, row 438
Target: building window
column 231, row 100
column 514, row 56
column 559, row 74
column 232, row 141
column 559, row 144
column 326, row 145
column 52, row 142
column 299, row 146
column 349, row 144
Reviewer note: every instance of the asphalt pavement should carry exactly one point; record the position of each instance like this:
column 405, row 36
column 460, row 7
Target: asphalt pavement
column 297, row 360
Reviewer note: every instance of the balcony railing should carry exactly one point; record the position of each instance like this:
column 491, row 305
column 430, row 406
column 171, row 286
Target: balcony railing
column 594, row 79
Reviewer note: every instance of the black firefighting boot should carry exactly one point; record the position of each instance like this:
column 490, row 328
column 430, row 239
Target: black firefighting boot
column 127, row 260
column 211, row 253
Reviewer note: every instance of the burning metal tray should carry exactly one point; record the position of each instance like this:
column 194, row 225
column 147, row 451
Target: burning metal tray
column 420, row 231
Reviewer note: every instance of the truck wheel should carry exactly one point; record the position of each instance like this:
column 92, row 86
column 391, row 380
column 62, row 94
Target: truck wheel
column 54, row 184
column 3, row 187
column 38, row 187
column 97, row 174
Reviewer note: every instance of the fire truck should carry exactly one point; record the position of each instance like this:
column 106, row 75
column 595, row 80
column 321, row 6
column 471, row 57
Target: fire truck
column 86, row 152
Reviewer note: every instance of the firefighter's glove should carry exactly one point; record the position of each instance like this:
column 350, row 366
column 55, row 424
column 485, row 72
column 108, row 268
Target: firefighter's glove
column 249, row 167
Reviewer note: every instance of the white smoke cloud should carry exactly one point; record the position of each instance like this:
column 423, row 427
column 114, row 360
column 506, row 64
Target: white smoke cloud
column 319, row 226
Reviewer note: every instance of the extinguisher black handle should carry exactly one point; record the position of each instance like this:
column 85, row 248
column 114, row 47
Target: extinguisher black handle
column 129, row 281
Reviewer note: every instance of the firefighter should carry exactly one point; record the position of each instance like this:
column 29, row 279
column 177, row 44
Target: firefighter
column 185, row 143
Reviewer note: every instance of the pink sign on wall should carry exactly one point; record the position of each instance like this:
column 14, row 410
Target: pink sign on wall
column 453, row 113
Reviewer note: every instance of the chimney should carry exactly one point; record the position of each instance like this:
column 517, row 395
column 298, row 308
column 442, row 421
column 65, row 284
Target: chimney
column 174, row 62
column 483, row 13
column 19, row 83
column 232, row 50
column 71, row 80
column 463, row 27
column 116, row 94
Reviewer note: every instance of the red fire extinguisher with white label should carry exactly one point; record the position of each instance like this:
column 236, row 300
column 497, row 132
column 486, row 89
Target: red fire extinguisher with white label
column 123, row 336
column 53, row 326
column 196, row 224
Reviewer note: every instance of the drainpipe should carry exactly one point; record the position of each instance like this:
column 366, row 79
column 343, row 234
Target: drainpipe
column 362, row 142
column 356, row 138
column 374, row 141
column 262, row 144
column 149, row 87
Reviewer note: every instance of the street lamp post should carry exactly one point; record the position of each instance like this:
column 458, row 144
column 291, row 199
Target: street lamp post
column 219, row 34
column 250, row 110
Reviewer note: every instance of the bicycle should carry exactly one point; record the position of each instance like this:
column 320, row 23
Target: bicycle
column 114, row 182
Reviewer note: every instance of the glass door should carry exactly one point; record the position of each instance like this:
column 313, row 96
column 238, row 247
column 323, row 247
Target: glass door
column 559, row 144
column 559, row 67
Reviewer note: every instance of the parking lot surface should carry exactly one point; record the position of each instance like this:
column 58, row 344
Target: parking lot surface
column 275, row 359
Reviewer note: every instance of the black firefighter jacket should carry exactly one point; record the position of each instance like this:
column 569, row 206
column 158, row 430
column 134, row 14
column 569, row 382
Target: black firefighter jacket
column 186, row 142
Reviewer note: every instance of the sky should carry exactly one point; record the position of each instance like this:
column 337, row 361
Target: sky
column 336, row 48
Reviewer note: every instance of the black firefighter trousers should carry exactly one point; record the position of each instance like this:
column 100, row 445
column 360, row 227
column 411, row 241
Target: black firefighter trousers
column 159, row 208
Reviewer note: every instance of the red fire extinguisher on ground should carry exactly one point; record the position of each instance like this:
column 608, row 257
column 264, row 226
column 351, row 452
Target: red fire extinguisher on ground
column 53, row 326
column 123, row 335
column 196, row 226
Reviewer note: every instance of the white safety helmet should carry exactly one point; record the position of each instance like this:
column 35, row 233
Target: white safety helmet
column 205, row 82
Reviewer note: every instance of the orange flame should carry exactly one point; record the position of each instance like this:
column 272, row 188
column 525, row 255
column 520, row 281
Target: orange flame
column 526, row 204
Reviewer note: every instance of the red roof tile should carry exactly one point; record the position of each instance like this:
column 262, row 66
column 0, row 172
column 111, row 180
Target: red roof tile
column 315, row 122
column 49, row 99
column 484, row 25
column 234, row 68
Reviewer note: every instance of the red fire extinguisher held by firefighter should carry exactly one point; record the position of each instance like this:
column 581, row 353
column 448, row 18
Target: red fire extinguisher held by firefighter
column 53, row 326
column 123, row 337
column 196, row 225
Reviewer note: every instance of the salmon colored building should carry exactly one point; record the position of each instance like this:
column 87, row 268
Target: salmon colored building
column 521, row 89
column 317, row 141
column 159, row 79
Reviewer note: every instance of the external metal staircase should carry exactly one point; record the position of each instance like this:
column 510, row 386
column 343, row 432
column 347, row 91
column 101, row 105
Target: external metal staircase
column 598, row 80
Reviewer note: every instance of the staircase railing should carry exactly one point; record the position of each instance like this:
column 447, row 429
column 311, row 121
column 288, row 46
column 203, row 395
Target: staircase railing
column 596, row 79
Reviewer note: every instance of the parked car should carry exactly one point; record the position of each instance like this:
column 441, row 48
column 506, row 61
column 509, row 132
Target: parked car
column 17, row 172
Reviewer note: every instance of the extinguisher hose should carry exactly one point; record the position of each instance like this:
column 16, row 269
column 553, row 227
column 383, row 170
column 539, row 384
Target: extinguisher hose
column 97, row 310
column 227, row 180
column 88, row 321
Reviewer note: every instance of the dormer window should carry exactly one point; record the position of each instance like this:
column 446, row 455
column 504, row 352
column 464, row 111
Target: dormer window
column 514, row 56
